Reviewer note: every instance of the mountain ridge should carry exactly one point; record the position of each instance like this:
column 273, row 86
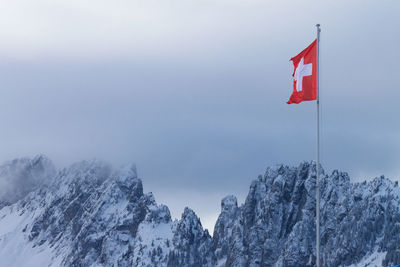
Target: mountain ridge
column 91, row 214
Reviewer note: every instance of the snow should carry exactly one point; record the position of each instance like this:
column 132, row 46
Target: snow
column 221, row 262
column 9, row 219
column 148, row 232
column 151, row 237
column 373, row 260
column 14, row 246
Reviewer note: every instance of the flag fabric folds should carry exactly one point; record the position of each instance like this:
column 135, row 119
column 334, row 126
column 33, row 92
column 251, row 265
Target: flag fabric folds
column 305, row 75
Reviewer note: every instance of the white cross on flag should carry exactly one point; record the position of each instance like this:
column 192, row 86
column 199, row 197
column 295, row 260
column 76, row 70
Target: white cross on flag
column 305, row 75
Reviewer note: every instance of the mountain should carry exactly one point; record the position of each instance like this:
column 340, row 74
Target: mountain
column 91, row 214
column 275, row 226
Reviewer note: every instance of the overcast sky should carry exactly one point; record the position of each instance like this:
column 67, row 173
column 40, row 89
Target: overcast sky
column 194, row 92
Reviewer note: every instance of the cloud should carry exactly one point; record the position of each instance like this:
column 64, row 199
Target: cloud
column 21, row 176
column 194, row 92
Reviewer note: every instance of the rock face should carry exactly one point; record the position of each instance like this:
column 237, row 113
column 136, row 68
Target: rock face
column 223, row 229
column 276, row 227
column 92, row 215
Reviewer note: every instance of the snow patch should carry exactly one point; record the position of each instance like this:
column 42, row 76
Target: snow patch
column 373, row 260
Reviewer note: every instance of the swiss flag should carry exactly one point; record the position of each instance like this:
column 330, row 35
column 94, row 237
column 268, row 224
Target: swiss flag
column 305, row 75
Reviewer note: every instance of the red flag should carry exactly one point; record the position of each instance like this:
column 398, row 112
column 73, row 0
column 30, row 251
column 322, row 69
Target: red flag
column 305, row 75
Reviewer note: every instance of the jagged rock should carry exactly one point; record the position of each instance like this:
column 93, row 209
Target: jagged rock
column 192, row 245
column 92, row 215
column 276, row 226
column 223, row 229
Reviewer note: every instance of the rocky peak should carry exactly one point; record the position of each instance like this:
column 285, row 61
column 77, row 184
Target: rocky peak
column 192, row 243
column 229, row 204
column 159, row 214
column 190, row 223
column 223, row 229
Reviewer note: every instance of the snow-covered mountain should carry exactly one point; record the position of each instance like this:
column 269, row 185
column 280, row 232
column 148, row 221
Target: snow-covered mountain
column 93, row 215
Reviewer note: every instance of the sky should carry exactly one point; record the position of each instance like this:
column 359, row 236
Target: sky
column 194, row 92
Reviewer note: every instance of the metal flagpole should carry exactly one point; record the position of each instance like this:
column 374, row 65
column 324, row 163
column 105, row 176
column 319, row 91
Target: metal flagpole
column 317, row 194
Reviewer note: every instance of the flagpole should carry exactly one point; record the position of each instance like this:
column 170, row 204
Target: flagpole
column 317, row 193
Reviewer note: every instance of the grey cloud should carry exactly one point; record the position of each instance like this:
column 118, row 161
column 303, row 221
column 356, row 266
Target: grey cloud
column 199, row 103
